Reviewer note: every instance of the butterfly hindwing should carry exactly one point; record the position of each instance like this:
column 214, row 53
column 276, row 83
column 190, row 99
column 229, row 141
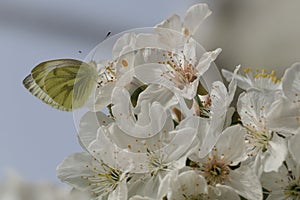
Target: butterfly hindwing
column 36, row 90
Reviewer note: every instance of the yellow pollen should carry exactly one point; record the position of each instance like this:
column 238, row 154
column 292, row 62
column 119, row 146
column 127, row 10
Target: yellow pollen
column 263, row 74
column 124, row 63
column 247, row 70
column 186, row 32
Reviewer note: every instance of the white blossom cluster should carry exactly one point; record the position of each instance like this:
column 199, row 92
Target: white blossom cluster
column 17, row 188
column 170, row 135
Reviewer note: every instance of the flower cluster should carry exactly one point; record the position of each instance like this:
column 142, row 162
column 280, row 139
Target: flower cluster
column 16, row 188
column 172, row 135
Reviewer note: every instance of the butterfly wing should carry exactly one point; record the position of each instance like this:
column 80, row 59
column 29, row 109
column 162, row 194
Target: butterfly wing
column 71, row 85
column 37, row 91
column 64, row 84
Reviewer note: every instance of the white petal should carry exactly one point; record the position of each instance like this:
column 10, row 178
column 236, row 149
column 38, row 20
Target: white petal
column 255, row 108
column 180, row 144
column 169, row 32
column 137, row 197
column 198, row 123
column 194, row 16
column 206, row 60
column 276, row 154
column 244, row 181
column 291, row 84
column 150, row 120
column 103, row 148
column 125, row 62
column 101, row 97
column 152, row 73
column 211, row 75
column 226, row 193
column 119, row 193
column 219, row 98
column 74, row 167
column 275, row 181
column 294, row 147
column 284, row 118
column 187, row 185
column 190, row 50
column 172, row 22
column 277, row 195
column 157, row 74
column 128, row 39
column 227, row 144
column 155, row 93
column 228, row 118
column 243, row 82
column 148, row 40
column 89, row 125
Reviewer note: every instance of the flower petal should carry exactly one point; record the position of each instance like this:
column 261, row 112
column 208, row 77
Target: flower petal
column 187, row 185
column 276, row 154
column 194, row 16
column 149, row 121
column 294, row 147
column 231, row 144
column 244, row 181
column 206, row 60
column 89, row 125
column 76, row 166
column 291, row 83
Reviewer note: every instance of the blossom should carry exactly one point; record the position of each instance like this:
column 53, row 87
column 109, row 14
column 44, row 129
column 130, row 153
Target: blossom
column 16, row 188
column 217, row 167
column 286, row 119
column 147, row 159
column 190, row 185
column 285, row 183
column 255, row 79
column 255, row 109
column 99, row 178
column 179, row 72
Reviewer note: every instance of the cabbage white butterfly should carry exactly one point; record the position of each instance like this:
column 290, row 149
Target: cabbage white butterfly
column 64, row 84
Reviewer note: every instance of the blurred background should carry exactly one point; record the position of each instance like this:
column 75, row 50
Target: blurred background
column 36, row 138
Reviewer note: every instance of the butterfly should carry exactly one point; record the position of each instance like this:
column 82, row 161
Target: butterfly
column 64, row 84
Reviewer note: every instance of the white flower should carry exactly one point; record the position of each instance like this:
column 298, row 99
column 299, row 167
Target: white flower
column 259, row 80
column 218, row 112
column 86, row 173
column 101, row 179
column 143, row 146
column 217, row 169
column 285, row 183
column 152, row 157
column 191, row 185
column 180, row 72
column 256, row 109
column 286, row 118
